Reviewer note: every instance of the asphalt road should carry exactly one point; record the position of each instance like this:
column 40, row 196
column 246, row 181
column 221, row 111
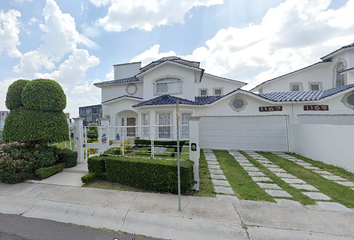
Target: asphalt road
column 14, row 227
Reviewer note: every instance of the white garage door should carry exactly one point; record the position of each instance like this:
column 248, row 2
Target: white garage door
column 244, row 133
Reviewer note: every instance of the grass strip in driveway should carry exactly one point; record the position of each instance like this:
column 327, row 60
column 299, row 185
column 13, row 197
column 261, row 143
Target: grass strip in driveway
column 206, row 187
column 240, row 181
column 327, row 167
column 296, row 193
column 337, row 192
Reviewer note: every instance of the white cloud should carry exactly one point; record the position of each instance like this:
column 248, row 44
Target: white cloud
column 291, row 36
column 146, row 14
column 110, row 75
column 151, row 55
column 60, row 38
column 99, row 3
column 87, row 88
column 73, row 70
column 9, row 31
column 32, row 21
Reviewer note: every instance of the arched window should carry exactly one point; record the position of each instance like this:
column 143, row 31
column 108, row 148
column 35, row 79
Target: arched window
column 168, row 86
column 340, row 78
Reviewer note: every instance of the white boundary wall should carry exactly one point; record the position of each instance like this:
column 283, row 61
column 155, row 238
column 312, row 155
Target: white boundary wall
column 332, row 144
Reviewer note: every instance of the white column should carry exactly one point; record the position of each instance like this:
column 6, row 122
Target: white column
column 79, row 138
column 194, row 149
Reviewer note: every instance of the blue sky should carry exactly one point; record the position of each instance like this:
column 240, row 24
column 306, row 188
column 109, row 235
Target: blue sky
column 77, row 42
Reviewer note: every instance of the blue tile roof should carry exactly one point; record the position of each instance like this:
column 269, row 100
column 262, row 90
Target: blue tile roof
column 303, row 95
column 123, row 80
column 171, row 100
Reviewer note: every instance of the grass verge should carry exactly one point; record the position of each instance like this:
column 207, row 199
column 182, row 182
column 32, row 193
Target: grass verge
column 337, row 192
column 296, row 193
column 240, row 181
column 206, row 188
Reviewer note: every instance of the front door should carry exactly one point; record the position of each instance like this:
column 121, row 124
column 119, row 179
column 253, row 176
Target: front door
column 131, row 130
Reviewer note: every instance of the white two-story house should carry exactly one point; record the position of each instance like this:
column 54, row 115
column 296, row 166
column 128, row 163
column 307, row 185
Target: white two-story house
column 230, row 117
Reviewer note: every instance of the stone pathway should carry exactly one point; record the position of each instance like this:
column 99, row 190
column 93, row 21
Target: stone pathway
column 221, row 186
column 324, row 174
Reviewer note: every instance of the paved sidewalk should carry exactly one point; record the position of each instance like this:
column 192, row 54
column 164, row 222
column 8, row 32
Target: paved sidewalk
column 157, row 215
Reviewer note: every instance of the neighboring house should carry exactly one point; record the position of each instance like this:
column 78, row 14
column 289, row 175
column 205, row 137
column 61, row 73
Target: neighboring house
column 336, row 69
column 91, row 113
column 231, row 117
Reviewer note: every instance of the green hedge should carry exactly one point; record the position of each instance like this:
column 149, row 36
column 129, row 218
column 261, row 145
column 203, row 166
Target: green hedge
column 49, row 171
column 151, row 174
column 23, row 125
column 97, row 166
column 44, row 95
column 145, row 143
column 13, row 95
column 89, row 178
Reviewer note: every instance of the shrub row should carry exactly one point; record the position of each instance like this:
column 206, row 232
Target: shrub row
column 145, row 143
column 97, row 166
column 49, row 171
column 150, row 174
column 18, row 162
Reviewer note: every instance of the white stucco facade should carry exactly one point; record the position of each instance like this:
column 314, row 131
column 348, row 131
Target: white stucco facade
column 230, row 117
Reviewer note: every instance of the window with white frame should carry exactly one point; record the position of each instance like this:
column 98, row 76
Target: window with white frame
column 168, row 86
column 164, row 122
column 145, row 122
column 217, row 91
column 295, row 87
column 185, row 125
column 203, row 92
column 340, row 77
column 315, row 87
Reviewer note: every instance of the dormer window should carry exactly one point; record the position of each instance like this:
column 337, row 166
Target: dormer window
column 339, row 77
column 168, row 86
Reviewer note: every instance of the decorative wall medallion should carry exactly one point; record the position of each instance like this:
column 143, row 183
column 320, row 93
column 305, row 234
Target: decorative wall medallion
column 131, row 88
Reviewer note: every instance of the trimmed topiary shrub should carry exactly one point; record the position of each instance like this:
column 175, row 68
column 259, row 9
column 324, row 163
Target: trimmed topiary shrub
column 30, row 126
column 44, row 95
column 40, row 118
column 151, row 174
column 49, row 171
column 13, row 95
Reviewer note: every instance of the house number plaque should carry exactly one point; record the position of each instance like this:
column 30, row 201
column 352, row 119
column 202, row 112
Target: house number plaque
column 316, row 108
column 271, row 109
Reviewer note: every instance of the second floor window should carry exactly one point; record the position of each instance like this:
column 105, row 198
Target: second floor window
column 168, row 86
column 340, row 78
